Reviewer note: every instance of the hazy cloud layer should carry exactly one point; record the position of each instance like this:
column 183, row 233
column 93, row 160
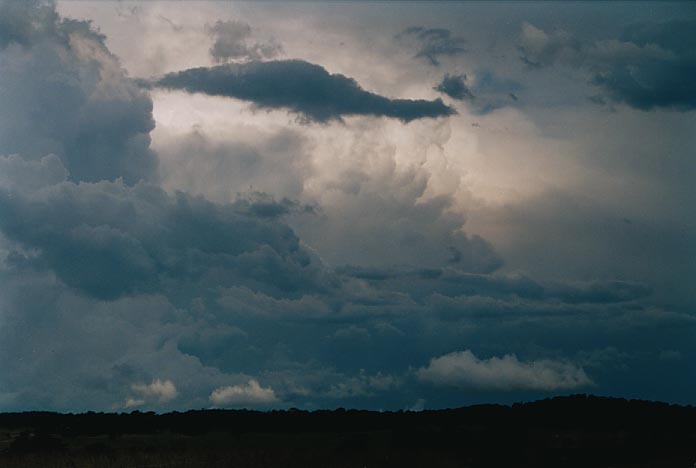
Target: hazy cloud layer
column 300, row 87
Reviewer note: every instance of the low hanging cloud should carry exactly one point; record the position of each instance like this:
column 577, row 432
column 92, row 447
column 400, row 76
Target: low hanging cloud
column 301, row 87
column 465, row 370
column 649, row 66
column 119, row 240
column 158, row 391
column 248, row 394
column 232, row 42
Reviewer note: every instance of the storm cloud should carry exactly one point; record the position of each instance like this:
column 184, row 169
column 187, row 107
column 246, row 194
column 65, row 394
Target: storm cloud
column 649, row 66
column 63, row 92
column 301, row 87
column 120, row 239
column 248, row 260
column 455, row 87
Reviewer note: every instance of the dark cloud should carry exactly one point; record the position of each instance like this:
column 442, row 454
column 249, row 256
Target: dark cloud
column 451, row 282
column 107, row 239
column 455, row 87
column 651, row 251
column 263, row 205
column 116, row 293
column 434, row 42
column 24, row 22
column 67, row 94
column 677, row 36
column 446, row 281
column 160, row 286
column 649, row 66
column 487, row 93
column 597, row 291
column 232, row 43
column 300, row 87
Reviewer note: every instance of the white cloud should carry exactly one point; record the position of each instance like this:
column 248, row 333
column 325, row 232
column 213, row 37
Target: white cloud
column 465, row 370
column 249, row 394
column 159, row 390
column 133, row 402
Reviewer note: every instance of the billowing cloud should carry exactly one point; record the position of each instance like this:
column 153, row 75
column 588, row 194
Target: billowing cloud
column 327, row 261
column 231, row 42
column 19, row 174
column 272, row 162
column 67, row 94
column 248, row 394
column 434, row 43
column 120, row 239
column 507, row 373
column 300, row 87
column 649, row 66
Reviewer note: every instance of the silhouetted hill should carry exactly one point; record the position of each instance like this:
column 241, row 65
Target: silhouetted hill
column 574, row 431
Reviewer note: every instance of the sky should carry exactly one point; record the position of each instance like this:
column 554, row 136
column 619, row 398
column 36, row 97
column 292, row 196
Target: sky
column 378, row 205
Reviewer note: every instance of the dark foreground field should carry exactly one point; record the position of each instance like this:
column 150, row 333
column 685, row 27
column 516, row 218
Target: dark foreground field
column 578, row 431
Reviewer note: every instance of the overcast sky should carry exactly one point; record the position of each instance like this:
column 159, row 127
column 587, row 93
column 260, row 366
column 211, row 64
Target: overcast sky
column 371, row 205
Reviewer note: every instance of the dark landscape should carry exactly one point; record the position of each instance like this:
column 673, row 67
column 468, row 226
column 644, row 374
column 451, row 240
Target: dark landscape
column 575, row 431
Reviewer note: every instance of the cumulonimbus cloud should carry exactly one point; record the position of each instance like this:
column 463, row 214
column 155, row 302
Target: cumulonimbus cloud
column 67, row 95
column 301, row 87
column 465, row 370
column 135, row 279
